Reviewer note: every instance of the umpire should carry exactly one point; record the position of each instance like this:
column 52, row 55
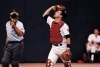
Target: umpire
column 14, row 41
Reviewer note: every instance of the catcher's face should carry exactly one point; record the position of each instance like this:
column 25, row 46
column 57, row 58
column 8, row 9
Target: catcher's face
column 58, row 14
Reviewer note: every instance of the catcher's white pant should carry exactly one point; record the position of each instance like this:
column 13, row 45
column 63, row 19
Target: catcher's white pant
column 56, row 51
column 93, row 49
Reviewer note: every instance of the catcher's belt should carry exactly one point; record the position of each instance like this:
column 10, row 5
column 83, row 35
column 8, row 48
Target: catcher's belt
column 66, row 55
column 57, row 44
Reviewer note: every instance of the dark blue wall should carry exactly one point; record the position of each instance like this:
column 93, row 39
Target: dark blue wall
column 83, row 16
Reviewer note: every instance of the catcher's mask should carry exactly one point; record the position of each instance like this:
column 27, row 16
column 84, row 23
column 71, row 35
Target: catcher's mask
column 14, row 14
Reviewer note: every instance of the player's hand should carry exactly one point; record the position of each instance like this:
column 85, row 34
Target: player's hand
column 67, row 51
column 66, row 55
column 97, row 46
column 54, row 8
column 91, row 44
column 6, row 43
column 13, row 22
column 60, row 7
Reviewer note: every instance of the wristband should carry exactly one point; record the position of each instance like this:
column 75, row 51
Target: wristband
column 68, row 46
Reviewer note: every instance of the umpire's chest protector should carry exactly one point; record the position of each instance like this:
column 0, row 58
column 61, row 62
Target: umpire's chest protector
column 55, row 35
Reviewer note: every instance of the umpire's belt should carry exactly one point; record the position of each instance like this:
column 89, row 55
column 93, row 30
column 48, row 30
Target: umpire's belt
column 14, row 41
column 57, row 44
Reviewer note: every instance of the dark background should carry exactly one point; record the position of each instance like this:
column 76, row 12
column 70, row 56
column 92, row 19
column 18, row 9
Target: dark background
column 83, row 16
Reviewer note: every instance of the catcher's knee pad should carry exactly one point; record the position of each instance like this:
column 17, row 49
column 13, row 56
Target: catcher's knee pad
column 67, row 64
column 49, row 63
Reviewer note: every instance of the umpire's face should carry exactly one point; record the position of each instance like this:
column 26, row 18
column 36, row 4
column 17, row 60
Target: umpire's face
column 14, row 17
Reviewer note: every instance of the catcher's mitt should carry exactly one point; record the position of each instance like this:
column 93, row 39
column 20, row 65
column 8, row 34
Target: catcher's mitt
column 66, row 55
column 60, row 7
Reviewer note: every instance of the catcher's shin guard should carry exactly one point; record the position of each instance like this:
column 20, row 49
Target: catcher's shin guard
column 49, row 63
column 67, row 64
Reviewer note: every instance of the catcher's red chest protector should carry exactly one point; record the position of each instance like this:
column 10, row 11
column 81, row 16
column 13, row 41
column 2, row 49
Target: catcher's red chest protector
column 55, row 35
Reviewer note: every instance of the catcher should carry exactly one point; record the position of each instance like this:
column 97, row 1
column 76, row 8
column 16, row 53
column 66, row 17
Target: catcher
column 59, row 36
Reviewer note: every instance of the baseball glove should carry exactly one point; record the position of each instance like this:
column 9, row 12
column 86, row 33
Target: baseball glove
column 66, row 55
column 60, row 7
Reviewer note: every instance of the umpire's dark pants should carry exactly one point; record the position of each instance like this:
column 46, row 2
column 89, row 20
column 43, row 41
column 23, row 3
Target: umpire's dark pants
column 12, row 54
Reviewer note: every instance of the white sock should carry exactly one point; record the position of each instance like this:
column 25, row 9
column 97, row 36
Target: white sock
column 92, row 57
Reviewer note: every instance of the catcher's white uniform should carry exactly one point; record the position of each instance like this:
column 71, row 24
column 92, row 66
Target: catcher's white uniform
column 60, row 48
